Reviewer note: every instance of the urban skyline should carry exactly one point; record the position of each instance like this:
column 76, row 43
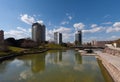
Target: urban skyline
column 99, row 20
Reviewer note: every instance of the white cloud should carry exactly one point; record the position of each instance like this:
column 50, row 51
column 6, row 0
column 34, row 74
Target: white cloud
column 93, row 30
column 13, row 33
column 40, row 22
column 66, row 32
column 49, row 35
column 29, row 19
column 114, row 37
column 110, row 29
column 64, row 22
column 29, row 30
column 62, row 30
column 114, row 28
column 78, row 26
column 116, row 24
column 70, row 17
column 22, row 29
column 107, row 23
column 94, row 25
column 18, row 33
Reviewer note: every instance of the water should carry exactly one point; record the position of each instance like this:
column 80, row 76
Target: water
column 54, row 66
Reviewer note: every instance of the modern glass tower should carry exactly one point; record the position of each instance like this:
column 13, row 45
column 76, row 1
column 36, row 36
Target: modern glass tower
column 38, row 32
column 58, row 38
column 78, row 38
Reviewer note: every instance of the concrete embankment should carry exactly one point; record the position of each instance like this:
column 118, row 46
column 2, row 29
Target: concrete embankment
column 112, row 51
column 111, row 63
column 12, row 55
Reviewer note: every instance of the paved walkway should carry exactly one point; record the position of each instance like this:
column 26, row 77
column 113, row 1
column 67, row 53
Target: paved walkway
column 114, row 62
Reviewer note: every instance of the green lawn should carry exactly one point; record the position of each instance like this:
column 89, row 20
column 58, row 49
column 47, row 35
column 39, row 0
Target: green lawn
column 54, row 46
column 3, row 53
column 15, row 49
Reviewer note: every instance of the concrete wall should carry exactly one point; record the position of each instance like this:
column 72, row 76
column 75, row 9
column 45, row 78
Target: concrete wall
column 112, row 51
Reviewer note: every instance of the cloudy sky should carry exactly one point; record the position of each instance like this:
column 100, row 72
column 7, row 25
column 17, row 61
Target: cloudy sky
column 98, row 19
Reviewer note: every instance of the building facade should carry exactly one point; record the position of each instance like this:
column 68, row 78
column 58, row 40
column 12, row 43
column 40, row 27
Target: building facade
column 38, row 33
column 2, row 46
column 100, row 43
column 58, row 38
column 1, row 36
column 78, row 38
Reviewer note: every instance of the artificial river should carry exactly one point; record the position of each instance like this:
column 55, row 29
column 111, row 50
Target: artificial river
column 54, row 66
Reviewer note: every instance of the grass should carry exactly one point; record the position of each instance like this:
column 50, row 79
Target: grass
column 56, row 46
column 3, row 53
column 18, row 50
column 15, row 49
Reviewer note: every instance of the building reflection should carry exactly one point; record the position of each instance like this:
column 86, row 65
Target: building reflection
column 58, row 57
column 38, row 63
column 78, row 58
column 55, row 57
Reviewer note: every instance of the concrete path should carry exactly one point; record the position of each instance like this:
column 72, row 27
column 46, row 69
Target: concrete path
column 115, row 60
column 112, row 64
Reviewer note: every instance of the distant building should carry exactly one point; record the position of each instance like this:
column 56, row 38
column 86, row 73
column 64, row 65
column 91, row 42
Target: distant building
column 38, row 33
column 1, row 36
column 101, row 43
column 58, row 38
column 78, row 38
column 2, row 45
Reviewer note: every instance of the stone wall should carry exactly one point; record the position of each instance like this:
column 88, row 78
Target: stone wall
column 110, row 51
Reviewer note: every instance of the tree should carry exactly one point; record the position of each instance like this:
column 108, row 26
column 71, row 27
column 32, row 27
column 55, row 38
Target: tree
column 27, row 43
column 10, row 41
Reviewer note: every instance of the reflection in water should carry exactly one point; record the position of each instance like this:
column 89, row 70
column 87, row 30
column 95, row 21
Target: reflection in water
column 78, row 58
column 53, row 66
column 3, row 67
column 54, row 57
column 60, row 56
column 38, row 63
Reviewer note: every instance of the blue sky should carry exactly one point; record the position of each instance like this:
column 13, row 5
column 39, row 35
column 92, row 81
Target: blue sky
column 98, row 19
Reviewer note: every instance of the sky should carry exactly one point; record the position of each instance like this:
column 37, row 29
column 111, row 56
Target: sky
column 98, row 19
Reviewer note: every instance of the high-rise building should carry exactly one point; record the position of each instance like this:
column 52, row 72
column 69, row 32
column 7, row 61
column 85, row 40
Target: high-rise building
column 78, row 38
column 58, row 38
column 38, row 32
column 2, row 46
column 1, row 36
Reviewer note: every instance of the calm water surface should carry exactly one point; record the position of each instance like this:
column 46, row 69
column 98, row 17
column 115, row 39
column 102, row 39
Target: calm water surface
column 54, row 66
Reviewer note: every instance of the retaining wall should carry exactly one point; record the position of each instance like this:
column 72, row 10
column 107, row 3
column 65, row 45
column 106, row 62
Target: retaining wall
column 114, row 52
column 113, row 71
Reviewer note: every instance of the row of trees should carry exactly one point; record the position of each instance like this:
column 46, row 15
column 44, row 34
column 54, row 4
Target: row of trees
column 26, row 43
